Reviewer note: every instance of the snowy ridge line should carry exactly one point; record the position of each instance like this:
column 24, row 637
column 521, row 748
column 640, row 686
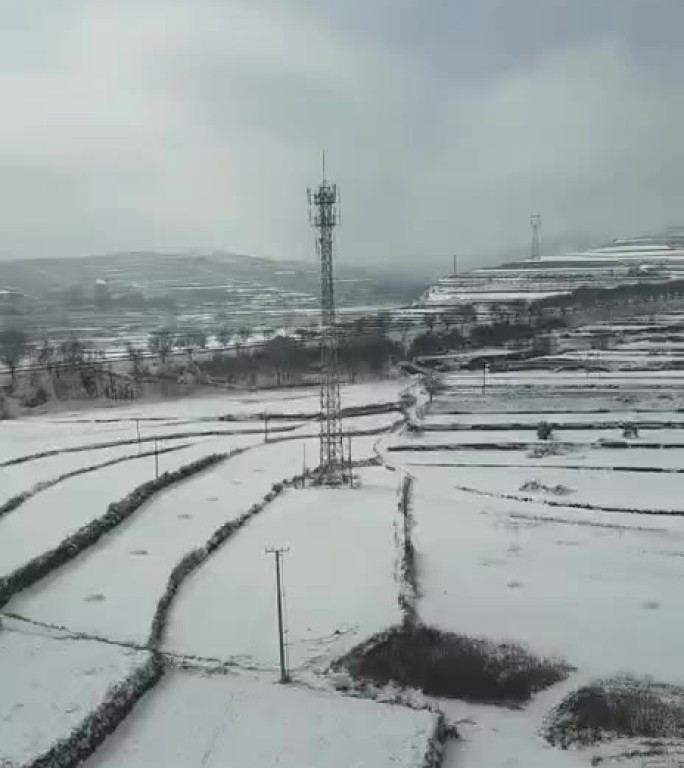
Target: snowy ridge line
column 116, row 420
column 353, row 432
column 538, row 467
column 350, row 411
column 91, row 732
column 570, row 390
column 518, row 446
column 570, row 504
column 551, row 412
column 424, row 447
column 135, row 441
column 41, row 566
column 587, row 523
column 531, row 427
column 183, row 435
column 20, row 498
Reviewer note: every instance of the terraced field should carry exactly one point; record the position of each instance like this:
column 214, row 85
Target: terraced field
column 137, row 597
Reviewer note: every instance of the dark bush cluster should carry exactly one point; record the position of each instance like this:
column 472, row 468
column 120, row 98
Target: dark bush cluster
column 544, row 430
column 39, row 567
column 453, row 666
column 16, row 501
column 629, row 292
column 408, row 570
column 103, row 720
column 36, row 398
column 623, row 706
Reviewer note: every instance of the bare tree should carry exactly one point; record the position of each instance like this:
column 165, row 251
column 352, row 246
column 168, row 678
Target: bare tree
column 191, row 341
column 244, row 333
column 224, row 335
column 72, row 352
column 160, row 343
column 45, row 355
column 432, row 385
column 135, row 356
column 12, row 349
column 468, row 315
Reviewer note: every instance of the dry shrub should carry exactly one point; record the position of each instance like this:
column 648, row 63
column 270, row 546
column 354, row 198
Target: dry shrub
column 623, row 706
column 452, row 666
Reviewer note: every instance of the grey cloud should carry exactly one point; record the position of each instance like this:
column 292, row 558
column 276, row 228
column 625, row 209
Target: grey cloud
column 169, row 124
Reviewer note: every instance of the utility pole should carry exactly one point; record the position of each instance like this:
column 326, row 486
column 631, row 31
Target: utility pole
column 137, row 429
column 349, row 459
column 484, row 377
column 156, row 457
column 265, row 427
column 455, row 265
column 278, row 552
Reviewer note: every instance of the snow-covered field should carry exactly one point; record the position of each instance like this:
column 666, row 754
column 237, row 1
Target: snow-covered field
column 47, row 518
column 190, row 720
column 339, row 575
column 601, row 590
column 49, row 685
column 504, row 552
column 112, row 589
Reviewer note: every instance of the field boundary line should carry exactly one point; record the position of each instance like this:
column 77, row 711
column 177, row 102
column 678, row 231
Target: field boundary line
column 16, row 501
column 88, row 535
column 570, row 504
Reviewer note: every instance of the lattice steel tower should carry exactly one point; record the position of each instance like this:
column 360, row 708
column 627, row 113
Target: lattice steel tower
column 536, row 222
column 324, row 217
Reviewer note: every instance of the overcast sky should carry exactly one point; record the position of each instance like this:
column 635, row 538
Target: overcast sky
column 175, row 124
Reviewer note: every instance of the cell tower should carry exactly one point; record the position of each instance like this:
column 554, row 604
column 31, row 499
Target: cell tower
column 324, row 217
column 536, row 222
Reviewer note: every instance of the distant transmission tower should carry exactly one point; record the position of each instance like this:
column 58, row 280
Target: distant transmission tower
column 536, row 222
column 324, row 217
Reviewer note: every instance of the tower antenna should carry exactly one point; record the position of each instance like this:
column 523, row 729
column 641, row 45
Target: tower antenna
column 536, row 250
column 324, row 216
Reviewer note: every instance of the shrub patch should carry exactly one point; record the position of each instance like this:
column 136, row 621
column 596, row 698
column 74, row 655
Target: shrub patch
column 452, row 666
column 622, row 706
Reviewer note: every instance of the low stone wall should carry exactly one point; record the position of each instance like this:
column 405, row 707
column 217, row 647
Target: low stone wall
column 103, row 720
column 44, row 564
